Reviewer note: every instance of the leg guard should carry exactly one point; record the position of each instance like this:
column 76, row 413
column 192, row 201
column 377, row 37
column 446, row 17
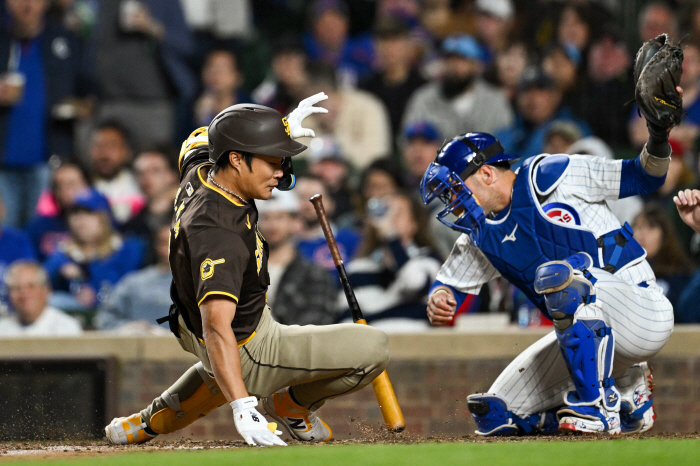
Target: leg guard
column 637, row 407
column 586, row 345
column 194, row 395
column 493, row 418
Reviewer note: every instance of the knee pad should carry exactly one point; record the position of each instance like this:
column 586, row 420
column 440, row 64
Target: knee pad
column 493, row 418
column 199, row 396
column 588, row 349
column 566, row 285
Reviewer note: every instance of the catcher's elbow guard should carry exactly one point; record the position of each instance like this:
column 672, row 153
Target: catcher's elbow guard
column 181, row 413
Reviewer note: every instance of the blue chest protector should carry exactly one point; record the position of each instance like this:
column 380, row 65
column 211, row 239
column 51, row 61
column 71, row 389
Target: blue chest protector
column 525, row 238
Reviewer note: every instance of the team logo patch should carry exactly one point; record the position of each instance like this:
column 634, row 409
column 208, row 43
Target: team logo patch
column 189, row 189
column 286, row 126
column 207, row 267
column 562, row 213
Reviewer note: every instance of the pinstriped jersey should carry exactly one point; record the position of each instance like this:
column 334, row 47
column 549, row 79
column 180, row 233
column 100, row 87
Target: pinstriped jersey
column 579, row 198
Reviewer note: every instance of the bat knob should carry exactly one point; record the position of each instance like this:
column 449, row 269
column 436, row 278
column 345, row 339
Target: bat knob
column 315, row 198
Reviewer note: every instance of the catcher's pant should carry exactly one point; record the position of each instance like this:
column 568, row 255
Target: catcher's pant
column 319, row 362
column 641, row 319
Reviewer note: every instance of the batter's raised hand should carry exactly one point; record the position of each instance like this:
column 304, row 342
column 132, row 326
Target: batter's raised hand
column 305, row 108
column 688, row 205
column 441, row 306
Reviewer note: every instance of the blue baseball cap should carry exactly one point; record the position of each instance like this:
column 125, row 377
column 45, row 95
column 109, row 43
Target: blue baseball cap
column 91, row 200
column 464, row 46
column 422, row 129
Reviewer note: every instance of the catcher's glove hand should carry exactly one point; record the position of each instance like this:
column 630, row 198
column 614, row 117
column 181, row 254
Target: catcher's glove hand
column 657, row 71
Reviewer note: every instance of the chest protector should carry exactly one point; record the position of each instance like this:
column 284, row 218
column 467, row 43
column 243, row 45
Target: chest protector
column 525, row 238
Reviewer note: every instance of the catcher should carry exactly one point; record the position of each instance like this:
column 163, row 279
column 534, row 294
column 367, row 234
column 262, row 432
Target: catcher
column 219, row 262
column 548, row 230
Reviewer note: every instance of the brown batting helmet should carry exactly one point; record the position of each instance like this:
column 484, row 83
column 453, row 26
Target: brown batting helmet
column 256, row 129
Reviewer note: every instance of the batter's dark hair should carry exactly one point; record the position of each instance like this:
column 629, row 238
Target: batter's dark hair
column 223, row 161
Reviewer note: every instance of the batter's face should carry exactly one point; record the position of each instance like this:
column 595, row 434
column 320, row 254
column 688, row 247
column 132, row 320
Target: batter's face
column 263, row 175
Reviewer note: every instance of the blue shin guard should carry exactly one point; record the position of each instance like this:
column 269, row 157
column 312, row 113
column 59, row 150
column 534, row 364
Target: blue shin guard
column 493, row 418
column 587, row 346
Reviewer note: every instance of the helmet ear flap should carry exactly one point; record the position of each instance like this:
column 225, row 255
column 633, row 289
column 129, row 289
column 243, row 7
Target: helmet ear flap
column 288, row 180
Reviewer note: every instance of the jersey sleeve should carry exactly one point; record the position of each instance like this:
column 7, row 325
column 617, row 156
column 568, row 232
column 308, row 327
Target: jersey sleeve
column 467, row 268
column 218, row 261
column 593, row 179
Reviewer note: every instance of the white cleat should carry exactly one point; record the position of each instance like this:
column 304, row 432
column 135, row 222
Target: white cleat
column 127, row 430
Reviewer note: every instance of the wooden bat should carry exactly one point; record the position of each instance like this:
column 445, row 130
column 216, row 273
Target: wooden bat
column 388, row 404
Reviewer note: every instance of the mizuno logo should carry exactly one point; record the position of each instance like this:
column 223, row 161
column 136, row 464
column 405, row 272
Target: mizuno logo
column 510, row 237
column 612, row 398
column 296, row 424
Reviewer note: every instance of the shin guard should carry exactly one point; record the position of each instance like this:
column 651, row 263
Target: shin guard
column 186, row 402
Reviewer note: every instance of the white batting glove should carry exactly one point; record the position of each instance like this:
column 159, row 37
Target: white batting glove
column 252, row 425
column 305, row 108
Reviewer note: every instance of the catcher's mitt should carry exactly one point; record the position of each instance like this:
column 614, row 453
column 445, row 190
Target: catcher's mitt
column 657, row 71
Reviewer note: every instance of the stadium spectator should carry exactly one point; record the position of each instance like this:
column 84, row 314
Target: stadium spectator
column 328, row 41
column 48, row 227
column 609, row 86
column 286, row 84
column 290, row 272
column 14, row 244
column 312, row 243
column 653, row 229
column 494, row 23
column 510, row 64
column 562, row 64
column 574, row 28
column 461, row 101
column 397, row 76
column 422, row 143
column 657, row 18
column 222, row 86
column 358, row 120
column 394, row 265
column 140, row 53
column 325, row 161
column 158, row 178
column 539, row 104
column 39, row 70
column 29, row 290
column 142, row 296
column 95, row 257
column 111, row 151
column 382, row 178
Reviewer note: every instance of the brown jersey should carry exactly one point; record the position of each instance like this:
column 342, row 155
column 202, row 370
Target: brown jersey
column 216, row 249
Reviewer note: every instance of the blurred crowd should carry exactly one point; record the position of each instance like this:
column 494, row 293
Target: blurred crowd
column 97, row 95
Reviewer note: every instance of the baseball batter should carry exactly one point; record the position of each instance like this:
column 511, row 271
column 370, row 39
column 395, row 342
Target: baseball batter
column 219, row 262
column 548, row 230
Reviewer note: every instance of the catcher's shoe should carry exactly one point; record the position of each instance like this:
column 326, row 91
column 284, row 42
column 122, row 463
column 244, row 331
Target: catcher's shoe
column 637, row 413
column 128, row 430
column 301, row 423
column 588, row 420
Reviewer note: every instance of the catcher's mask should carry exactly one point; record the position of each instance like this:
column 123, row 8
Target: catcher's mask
column 256, row 129
column 456, row 160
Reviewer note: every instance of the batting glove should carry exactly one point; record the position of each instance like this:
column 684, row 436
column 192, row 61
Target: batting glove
column 252, row 425
column 305, row 108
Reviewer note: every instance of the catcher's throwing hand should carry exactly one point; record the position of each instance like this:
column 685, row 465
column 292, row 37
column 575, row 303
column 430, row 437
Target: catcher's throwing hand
column 688, row 205
column 441, row 306
column 305, row 108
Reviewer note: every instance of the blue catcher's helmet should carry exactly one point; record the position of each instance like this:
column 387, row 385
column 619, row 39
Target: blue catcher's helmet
column 444, row 179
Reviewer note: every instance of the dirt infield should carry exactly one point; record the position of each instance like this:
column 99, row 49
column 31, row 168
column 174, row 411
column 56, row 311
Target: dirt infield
column 367, row 435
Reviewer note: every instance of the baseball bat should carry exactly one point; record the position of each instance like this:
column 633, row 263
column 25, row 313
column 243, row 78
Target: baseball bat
column 383, row 390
